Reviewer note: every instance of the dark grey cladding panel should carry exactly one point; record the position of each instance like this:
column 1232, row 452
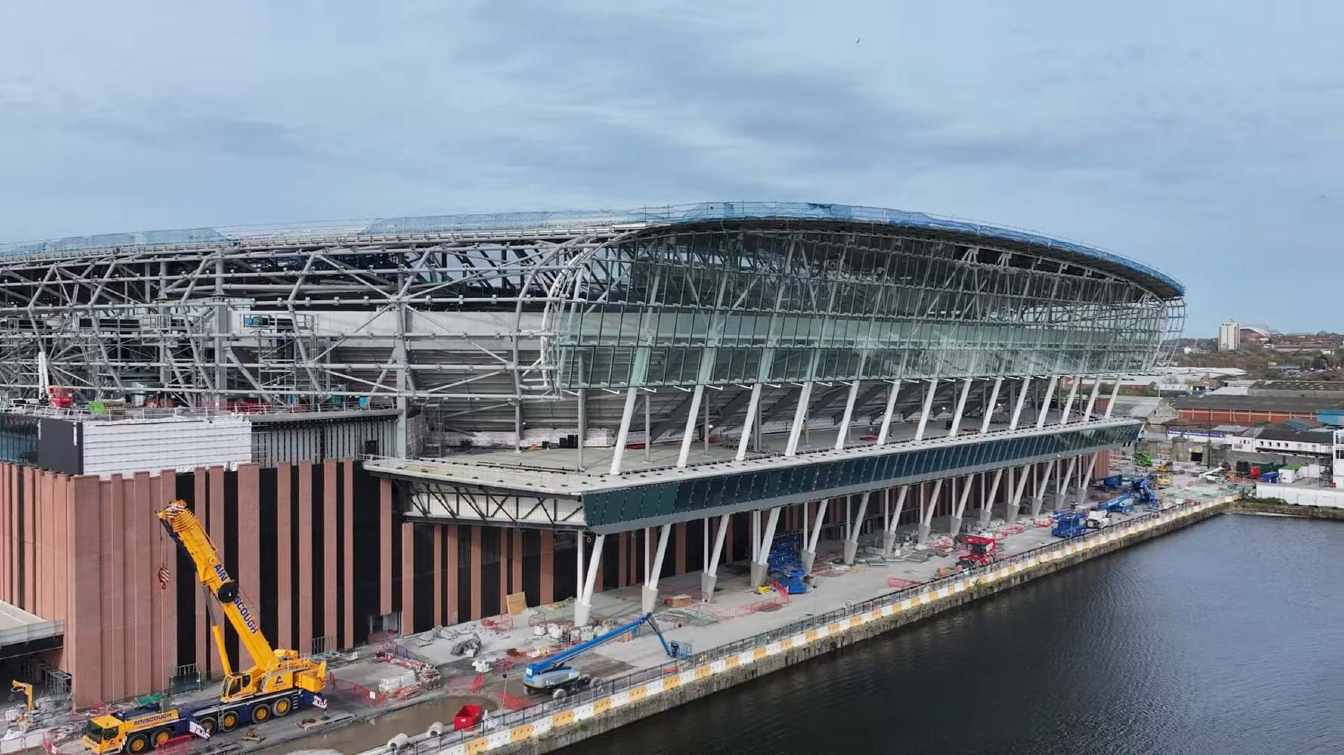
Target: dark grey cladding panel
column 614, row 510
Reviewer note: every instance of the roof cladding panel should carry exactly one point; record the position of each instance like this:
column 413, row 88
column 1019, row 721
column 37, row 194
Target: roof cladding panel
column 952, row 229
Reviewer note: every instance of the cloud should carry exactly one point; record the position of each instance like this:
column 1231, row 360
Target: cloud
column 1199, row 137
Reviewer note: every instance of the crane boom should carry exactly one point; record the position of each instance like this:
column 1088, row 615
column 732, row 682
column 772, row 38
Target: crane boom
column 542, row 674
column 186, row 529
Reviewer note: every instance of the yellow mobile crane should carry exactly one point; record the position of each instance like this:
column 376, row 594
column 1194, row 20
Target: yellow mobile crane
column 278, row 682
column 25, row 689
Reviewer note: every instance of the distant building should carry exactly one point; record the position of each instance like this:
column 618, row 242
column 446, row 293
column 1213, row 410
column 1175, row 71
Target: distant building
column 1229, row 336
column 1319, row 343
column 1293, row 438
column 1339, row 459
column 1261, row 401
column 1253, row 335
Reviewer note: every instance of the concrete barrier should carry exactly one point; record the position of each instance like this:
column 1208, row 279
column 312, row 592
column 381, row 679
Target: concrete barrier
column 1322, row 497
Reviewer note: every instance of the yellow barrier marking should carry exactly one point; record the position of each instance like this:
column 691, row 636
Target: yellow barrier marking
column 562, row 718
column 811, row 635
column 601, row 705
column 731, row 661
column 637, row 693
column 476, row 746
column 760, row 653
column 702, row 672
column 671, row 682
column 521, row 732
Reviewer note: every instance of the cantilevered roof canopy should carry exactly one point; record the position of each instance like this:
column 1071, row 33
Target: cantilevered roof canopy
column 963, row 231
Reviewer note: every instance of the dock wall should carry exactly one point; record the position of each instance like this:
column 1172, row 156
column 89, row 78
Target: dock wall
column 1295, row 510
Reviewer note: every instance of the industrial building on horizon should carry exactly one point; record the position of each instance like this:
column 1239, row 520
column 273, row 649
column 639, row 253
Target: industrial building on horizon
column 1233, row 336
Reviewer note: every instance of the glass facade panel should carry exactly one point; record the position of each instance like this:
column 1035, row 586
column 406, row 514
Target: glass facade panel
column 822, row 304
column 811, row 482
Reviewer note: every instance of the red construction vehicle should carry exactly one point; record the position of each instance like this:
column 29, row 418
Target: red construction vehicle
column 981, row 551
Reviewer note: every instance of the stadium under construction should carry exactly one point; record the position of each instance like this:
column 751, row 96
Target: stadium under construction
column 394, row 425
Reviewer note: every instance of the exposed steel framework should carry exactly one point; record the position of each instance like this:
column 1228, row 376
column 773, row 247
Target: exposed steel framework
column 520, row 324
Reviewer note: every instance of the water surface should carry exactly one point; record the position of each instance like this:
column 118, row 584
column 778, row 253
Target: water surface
column 1226, row 637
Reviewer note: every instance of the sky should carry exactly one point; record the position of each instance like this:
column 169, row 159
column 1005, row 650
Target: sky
column 1204, row 138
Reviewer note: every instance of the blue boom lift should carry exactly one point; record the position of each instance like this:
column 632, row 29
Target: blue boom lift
column 553, row 674
column 1143, row 491
column 1120, row 504
column 1068, row 524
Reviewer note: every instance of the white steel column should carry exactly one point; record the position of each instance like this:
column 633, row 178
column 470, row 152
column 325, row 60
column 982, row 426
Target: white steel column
column 928, row 407
column 954, row 526
column 705, row 372
column 1015, row 503
column 886, row 416
column 1092, row 399
column 578, row 563
column 767, row 359
column 810, row 546
column 987, row 506
column 1110, row 405
column 689, row 432
column 583, row 604
column 889, row 534
column 1087, row 478
column 1068, row 403
column 1065, row 481
column 747, row 424
column 650, row 595
column 799, row 419
column 961, row 407
column 852, row 542
column 1021, row 401
column 989, row 407
column 760, row 566
column 1039, row 497
column 926, row 516
column 711, row 573
column 845, row 418
column 624, row 431
column 1045, row 404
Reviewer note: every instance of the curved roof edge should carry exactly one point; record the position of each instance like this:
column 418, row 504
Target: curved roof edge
column 1160, row 283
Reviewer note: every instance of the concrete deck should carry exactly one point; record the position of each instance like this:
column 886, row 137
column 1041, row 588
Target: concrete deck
column 18, row 626
column 543, row 467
